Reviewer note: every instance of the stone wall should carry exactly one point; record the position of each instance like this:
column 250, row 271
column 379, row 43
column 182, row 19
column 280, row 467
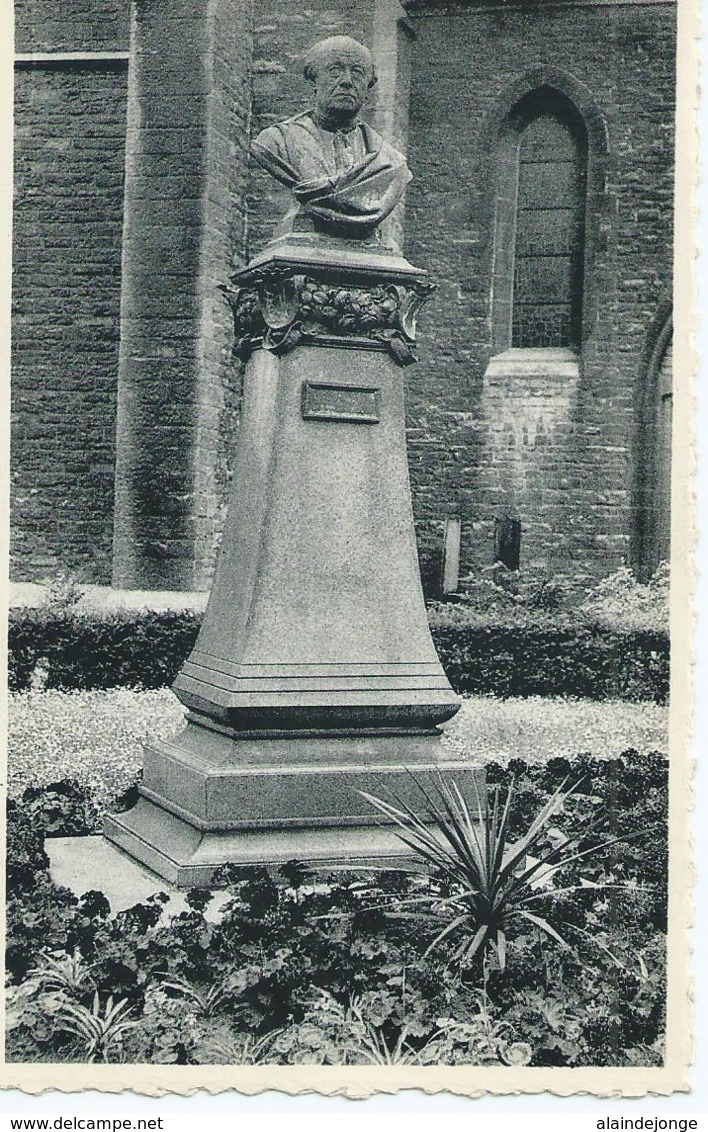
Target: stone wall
column 575, row 504
column 551, row 447
column 68, row 209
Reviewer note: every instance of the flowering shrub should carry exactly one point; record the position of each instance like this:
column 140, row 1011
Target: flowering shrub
column 621, row 600
column 503, row 596
column 618, row 603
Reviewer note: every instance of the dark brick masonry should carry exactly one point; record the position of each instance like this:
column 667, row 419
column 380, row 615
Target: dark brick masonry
column 554, row 452
column 188, row 110
column 68, row 218
column 575, row 504
column 69, row 156
column 72, row 25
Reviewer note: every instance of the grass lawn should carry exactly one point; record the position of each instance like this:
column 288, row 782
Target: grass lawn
column 540, row 728
column 97, row 737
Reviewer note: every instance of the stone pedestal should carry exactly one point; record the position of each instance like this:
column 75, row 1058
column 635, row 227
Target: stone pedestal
column 314, row 676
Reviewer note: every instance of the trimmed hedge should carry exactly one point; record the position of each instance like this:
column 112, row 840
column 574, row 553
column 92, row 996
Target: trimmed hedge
column 78, row 649
column 75, row 649
column 534, row 661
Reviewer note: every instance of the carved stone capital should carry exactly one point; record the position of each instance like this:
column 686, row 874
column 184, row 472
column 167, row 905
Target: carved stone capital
column 279, row 308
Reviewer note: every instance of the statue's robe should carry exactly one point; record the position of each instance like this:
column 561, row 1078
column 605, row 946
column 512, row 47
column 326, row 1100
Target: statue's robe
column 344, row 179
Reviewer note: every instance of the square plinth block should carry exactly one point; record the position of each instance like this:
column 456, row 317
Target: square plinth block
column 256, row 801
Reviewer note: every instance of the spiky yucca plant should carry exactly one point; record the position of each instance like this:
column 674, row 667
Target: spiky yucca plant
column 66, row 974
column 205, row 1003
column 495, row 883
column 99, row 1029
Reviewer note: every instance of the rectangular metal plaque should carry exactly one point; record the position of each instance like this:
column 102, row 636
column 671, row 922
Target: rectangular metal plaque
column 327, row 401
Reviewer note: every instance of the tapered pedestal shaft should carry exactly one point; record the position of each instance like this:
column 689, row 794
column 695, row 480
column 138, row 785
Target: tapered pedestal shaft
column 314, row 676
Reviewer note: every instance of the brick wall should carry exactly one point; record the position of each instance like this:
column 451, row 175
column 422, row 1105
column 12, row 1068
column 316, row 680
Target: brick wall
column 69, row 154
column 556, row 455
column 188, row 113
column 72, row 25
column 575, row 506
column 68, row 211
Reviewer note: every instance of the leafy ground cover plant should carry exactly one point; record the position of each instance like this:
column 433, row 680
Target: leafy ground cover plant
column 331, row 968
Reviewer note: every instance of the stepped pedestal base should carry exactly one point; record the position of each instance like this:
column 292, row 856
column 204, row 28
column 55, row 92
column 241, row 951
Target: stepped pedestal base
column 209, row 798
column 185, row 856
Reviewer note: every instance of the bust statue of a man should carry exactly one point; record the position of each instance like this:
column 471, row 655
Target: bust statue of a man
column 345, row 178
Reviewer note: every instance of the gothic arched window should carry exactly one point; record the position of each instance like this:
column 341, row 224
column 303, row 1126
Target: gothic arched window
column 540, row 224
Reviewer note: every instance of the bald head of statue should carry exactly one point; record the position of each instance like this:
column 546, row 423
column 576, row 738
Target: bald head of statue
column 341, row 72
